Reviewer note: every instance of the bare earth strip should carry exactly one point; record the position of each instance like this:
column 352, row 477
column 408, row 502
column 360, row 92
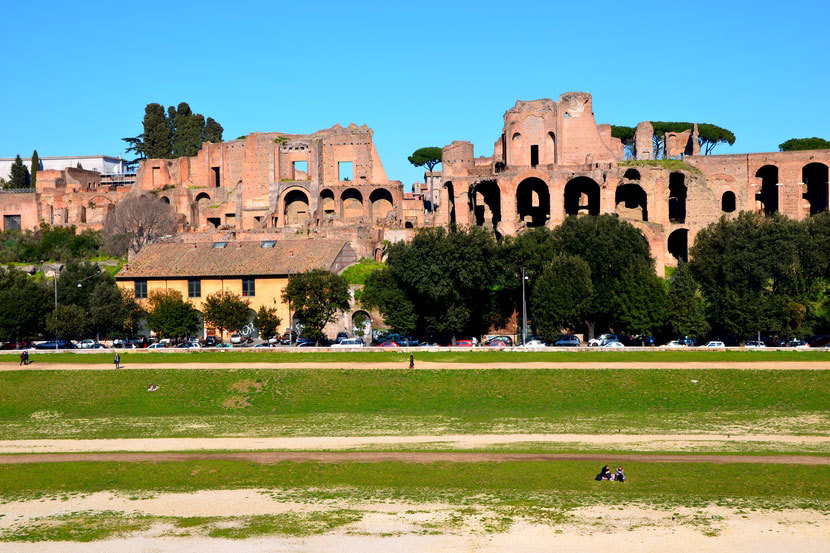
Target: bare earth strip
column 405, row 457
column 766, row 365
column 653, row 442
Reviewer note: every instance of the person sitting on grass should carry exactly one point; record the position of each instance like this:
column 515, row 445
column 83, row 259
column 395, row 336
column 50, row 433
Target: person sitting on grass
column 152, row 388
column 604, row 474
column 619, row 475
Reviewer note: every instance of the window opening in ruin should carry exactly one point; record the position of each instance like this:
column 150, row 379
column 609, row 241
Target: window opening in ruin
column 258, row 218
column 217, row 177
column 215, row 221
column 678, row 244
column 486, row 200
column 156, row 176
column 194, row 288
column 534, row 155
column 165, row 199
column 381, row 202
column 268, row 243
column 631, row 202
column 219, row 245
column 140, row 289
column 814, row 177
column 344, row 171
column 766, row 200
column 450, row 204
column 296, row 208
column 632, row 174
column 409, row 224
column 552, row 147
column 727, row 202
column 202, row 196
column 677, row 198
column 327, row 201
column 582, row 197
column 300, row 170
column 351, row 203
column 11, row 222
column 533, row 202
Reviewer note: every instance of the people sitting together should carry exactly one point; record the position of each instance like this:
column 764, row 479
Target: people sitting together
column 152, row 388
column 605, row 474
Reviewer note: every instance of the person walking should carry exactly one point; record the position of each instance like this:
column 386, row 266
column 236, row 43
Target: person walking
column 25, row 357
column 117, row 361
column 22, row 357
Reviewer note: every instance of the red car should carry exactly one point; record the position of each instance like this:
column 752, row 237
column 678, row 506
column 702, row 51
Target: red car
column 463, row 343
column 390, row 344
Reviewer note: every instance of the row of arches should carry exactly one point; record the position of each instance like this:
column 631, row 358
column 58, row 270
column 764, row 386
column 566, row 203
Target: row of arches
column 297, row 205
column 814, row 179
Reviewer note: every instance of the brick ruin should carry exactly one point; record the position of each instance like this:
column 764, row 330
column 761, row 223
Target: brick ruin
column 552, row 160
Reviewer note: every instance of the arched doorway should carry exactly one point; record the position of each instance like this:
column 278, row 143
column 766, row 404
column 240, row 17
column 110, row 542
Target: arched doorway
column 165, row 200
column 202, row 196
column 296, row 210
column 727, row 202
column 486, row 204
column 678, row 244
column 631, row 202
column 582, row 197
column 767, row 197
column 327, row 203
column 381, row 202
column 351, row 203
column 533, row 202
column 814, row 177
column 677, row 198
column 362, row 325
column 631, row 174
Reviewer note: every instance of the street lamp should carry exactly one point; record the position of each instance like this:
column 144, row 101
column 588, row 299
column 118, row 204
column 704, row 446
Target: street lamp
column 524, row 309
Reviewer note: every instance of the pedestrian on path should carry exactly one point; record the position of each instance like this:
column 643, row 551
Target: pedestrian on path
column 117, row 361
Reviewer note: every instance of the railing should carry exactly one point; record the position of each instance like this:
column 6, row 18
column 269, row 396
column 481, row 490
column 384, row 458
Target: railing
column 17, row 190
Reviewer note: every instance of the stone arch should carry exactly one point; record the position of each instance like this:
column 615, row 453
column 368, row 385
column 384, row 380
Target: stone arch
column 202, row 196
column 677, row 197
column 814, row 177
column 351, row 203
column 296, row 207
column 766, row 200
column 485, row 202
column 327, row 203
column 631, row 174
column 165, row 199
column 381, row 203
column 582, row 197
column 533, row 202
column 449, row 205
column 552, row 146
column 631, row 202
column 678, row 244
column 728, row 203
column 362, row 325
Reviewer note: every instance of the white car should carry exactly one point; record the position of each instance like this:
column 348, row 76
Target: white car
column 755, row 344
column 715, row 344
column 157, row 345
column 612, row 345
column 349, row 343
column 534, row 344
column 236, row 339
column 675, row 344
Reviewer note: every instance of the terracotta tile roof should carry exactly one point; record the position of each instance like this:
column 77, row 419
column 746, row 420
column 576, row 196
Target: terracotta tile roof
column 244, row 258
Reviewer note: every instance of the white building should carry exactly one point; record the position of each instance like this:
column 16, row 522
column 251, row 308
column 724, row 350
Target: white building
column 106, row 165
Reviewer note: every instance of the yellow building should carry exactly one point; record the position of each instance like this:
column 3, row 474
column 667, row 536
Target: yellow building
column 256, row 270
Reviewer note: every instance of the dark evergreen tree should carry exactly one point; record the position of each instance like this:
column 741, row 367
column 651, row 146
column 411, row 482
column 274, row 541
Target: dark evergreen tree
column 686, row 314
column 561, row 296
column 213, row 131
column 35, row 169
column 19, row 176
column 156, row 132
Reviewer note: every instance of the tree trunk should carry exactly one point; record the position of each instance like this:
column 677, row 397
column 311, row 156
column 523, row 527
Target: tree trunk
column 590, row 325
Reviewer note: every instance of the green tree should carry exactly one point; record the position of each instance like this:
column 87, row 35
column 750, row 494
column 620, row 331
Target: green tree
column 157, row 138
column 24, row 304
column 315, row 297
column 710, row 135
column 384, row 293
column 626, row 136
column 226, row 311
column 69, row 322
column 35, row 168
column 213, row 131
column 426, row 157
column 113, row 312
column 135, row 145
column 19, row 176
column 639, row 300
column 686, row 311
column 187, row 132
column 561, row 296
column 814, row 143
column 267, row 321
column 170, row 316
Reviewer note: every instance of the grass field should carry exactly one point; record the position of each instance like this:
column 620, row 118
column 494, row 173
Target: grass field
column 251, row 402
column 483, row 355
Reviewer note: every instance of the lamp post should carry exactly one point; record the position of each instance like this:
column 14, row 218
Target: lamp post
column 524, row 309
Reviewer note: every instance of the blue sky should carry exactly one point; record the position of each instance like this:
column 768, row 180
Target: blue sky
column 78, row 75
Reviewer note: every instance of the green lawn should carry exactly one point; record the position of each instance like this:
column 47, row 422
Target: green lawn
column 517, row 482
column 231, row 402
column 483, row 355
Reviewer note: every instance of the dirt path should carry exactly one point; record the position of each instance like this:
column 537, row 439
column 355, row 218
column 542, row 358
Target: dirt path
column 767, row 365
column 642, row 442
column 267, row 457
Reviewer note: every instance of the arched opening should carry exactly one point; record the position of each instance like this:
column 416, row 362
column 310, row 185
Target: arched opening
column 362, row 325
column 327, row 203
column 814, row 177
column 486, row 204
column 767, row 198
column 582, row 197
column 515, row 148
column 631, row 174
column 351, row 203
column 165, row 199
column 202, row 196
column 631, row 202
column 450, row 203
column 249, row 330
column 552, row 146
column 296, row 209
column 677, row 198
column 533, row 202
column 381, row 200
column 727, row 202
column 678, row 244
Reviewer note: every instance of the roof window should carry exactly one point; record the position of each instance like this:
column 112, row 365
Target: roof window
column 219, row 245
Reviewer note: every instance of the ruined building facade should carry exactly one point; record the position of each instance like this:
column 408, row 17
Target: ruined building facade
column 551, row 160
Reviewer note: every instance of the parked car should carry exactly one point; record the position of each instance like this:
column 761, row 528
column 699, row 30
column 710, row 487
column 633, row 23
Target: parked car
column 389, row 344
column 603, row 339
column 307, row 345
column 715, row 344
column 506, row 341
column 157, row 345
column 534, row 344
column 236, row 339
column 800, row 344
column 755, row 344
column 349, row 343
column 820, row 341
column 210, row 342
column 190, row 345
column 61, row 344
column 613, row 345
column 341, row 336
column 464, row 343
column 264, row 345
column 567, row 341
column 675, row 344
column 222, row 345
